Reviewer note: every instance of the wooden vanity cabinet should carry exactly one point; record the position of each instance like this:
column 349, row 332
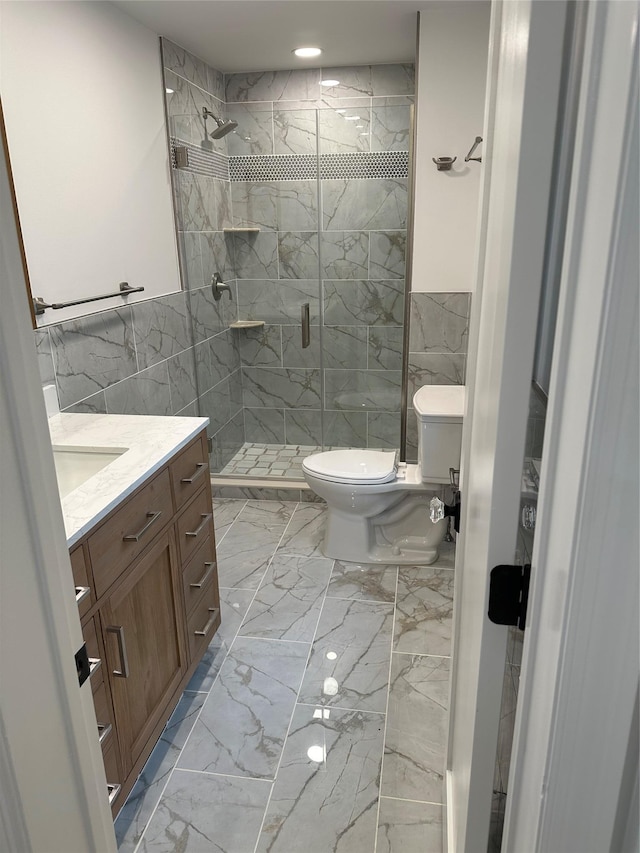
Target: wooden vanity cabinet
column 155, row 609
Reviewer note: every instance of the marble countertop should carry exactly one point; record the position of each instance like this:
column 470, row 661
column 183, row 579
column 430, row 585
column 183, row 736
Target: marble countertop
column 149, row 441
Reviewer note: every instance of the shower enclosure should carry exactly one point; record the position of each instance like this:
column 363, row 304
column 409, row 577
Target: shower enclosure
column 301, row 211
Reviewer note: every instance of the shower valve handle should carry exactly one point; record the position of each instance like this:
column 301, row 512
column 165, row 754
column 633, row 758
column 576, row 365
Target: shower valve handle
column 219, row 287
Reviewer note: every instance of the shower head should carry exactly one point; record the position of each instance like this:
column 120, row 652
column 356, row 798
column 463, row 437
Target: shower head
column 224, row 126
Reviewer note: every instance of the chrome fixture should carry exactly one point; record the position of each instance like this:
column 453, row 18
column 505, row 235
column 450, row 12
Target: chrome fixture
column 306, row 329
column 219, row 287
column 224, row 125
column 39, row 305
column 473, row 148
column 444, row 164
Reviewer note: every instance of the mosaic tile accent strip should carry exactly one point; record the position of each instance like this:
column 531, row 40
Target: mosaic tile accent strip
column 295, row 167
column 201, row 161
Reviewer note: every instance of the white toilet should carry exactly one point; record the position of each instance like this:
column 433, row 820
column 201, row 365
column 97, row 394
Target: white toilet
column 378, row 508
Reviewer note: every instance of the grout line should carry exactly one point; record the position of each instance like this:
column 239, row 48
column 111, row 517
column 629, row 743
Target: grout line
column 361, row 600
column 407, row 800
column 224, row 775
column 419, row 654
column 271, row 639
column 218, row 541
column 339, row 708
column 386, row 712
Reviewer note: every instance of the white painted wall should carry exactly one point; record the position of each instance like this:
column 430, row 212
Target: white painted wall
column 452, row 64
column 81, row 86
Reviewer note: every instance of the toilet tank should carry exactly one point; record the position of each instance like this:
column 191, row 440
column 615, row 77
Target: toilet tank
column 439, row 409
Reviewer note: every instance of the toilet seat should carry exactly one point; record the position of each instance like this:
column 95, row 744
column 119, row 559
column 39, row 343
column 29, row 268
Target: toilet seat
column 353, row 466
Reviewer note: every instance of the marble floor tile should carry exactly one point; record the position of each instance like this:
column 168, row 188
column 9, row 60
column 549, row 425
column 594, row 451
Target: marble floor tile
column 424, row 611
column 325, row 797
column 225, row 512
column 243, row 724
column 244, row 553
column 234, row 604
column 406, row 827
column 288, row 602
column 200, row 813
column 305, row 532
column 349, row 663
column 363, row 581
column 415, row 743
column 142, row 800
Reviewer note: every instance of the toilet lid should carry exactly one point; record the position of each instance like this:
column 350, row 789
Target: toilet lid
column 353, row 466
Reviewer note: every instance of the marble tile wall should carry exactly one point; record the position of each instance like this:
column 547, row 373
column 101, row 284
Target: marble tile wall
column 438, row 342
column 342, row 252
column 203, row 210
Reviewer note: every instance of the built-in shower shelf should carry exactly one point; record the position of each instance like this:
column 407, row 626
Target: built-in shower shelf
column 247, row 324
column 241, row 230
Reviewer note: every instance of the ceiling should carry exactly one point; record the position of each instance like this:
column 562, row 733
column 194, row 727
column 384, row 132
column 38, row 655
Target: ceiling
column 259, row 35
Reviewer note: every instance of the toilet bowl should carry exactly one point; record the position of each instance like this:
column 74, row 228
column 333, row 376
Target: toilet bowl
column 377, row 507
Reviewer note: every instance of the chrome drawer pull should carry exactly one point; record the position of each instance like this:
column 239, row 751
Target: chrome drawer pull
column 118, row 630
column 136, row 537
column 200, row 469
column 81, row 593
column 214, row 615
column 94, row 663
column 205, row 577
column 104, row 730
column 205, row 520
column 113, row 790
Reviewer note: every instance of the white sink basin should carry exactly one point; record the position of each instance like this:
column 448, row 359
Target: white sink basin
column 76, row 465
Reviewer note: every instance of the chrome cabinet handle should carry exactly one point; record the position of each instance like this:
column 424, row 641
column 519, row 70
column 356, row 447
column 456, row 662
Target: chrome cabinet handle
column 201, row 526
column 104, row 729
column 114, row 790
column 118, row 630
column 306, row 331
column 81, row 593
column 136, row 537
column 200, row 469
column 214, row 615
column 205, row 577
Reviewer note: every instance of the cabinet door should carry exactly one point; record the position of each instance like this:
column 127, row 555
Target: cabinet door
column 144, row 641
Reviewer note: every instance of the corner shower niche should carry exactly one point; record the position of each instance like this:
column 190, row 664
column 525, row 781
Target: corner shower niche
column 305, row 203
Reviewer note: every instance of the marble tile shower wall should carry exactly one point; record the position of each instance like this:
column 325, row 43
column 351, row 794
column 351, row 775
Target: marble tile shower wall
column 203, row 210
column 351, row 236
column 438, row 338
column 135, row 360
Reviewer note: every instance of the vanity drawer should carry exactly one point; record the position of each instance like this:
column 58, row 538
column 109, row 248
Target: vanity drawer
column 122, row 537
column 113, row 774
column 190, row 470
column 90, row 636
column 198, row 574
column 204, row 621
column 84, row 595
column 103, row 714
column 195, row 525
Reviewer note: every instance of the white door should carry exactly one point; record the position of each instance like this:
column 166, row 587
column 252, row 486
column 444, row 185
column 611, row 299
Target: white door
column 555, row 801
column 54, row 796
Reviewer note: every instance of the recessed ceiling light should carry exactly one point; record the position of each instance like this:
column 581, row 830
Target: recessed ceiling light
column 360, row 126
column 352, row 118
column 307, row 51
column 169, row 91
column 366, row 133
column 329, row 82
column 341, row 111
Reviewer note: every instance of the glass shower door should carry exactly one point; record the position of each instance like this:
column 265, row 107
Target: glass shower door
column 364, row 155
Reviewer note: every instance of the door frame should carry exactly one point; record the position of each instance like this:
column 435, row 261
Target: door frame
column 523, row 89
column 574, row 770
column 54, row 794
column 574, row 774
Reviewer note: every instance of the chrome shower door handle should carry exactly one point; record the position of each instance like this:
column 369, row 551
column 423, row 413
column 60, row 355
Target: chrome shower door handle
column 306, row 331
